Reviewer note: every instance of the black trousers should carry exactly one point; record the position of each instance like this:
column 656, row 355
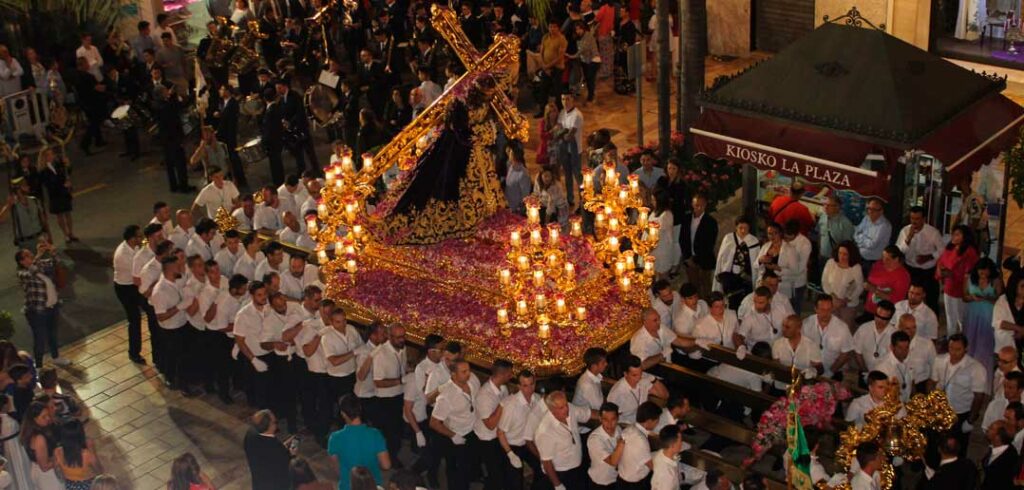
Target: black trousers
column 315, row 402
column 551, row 87
column 595, row 486
column 131, row 142
column 495, row 463
column 220, row 361
column 514, row 477
column 390, row 422
column 276, row 165
column 927, row 278
column 128, row 296
column 430, row 458
column 640, row 485
column 459, row 461
column 282, row 390
column 172, row 345
column 177, row 170
column 93, row 130
column 574, row 479
column 152, row 326
column 237, row 171
column 338, row 387
column 302, row 151
column 258, row 384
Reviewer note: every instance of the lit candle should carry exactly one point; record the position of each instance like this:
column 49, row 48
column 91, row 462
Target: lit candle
column 329, row 175
column 652, row 231
column 649, row 265
column 570, row 271
column 624, row 283
column 576, row 226
column 613, row 224
column 535, row 237
column 321, row 210
column 620, row 267
column 346, row 164
column 560, row 304
column 543, row 328
column 311, row 226
column 505, row 276
column 642, row 214
column 538, row 277
column 581, row 313
column 634, row 184
column 629, row 258
column 599, row 219
column 521, row 308
column 339, row 184
column 367, row 161
column 523, row 262
column 338, row 247
column 515, row 239
column 613, row 243
column 502, row 316
column 350, row 265
column 623, row 194
column 350, row 210
column 540, row 301
column 588, row 180
column 357, row 230
column 554, row 232
column 610, row 176
column 321, row 257
column 553, row 259
column 532, row 213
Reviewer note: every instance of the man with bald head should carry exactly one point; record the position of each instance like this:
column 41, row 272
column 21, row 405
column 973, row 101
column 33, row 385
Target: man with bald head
column 183, row 230
column 1006, row 362
column 653, row 341
column 922, row 352
column 793, row 349
column 558, row 442
column 268, row 458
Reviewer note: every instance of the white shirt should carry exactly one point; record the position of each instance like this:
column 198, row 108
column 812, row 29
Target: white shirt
column 921, row 358
column 997, row 383
column 666, row 311
column 364, row 388
column 244, row 222
column 804, row 356
column 833, row 341
column 600, row 445
column 264, row 267
column 843, row 283
column 411, row 393
column 275, row 323
column 335, row 343
column 904, row 374
column 422, row 372
column 488, row 398
column 871, row 344
column 180, row 236
column 711, row 331
column 92, row 55
column 430, row 90
column 644, row 345
column 226, row 260
column 694, row 224
column 198, row 246
column 928, row 322
column 246, row 264
column 166, row 295
column 515, row 412
column 862, row 481
column 149, row 275
column 779, row 302
column 960, row 381
column 388, row 363
column 666, row 472
column 629, row 398
column 124, row 256
column 1018, row 440
column 573, row 121
column 213, row 198
column 299, row 238
column 454, row 407
column 293, row 287
column 803, row 251
column 289, row 201
column 168, row 226
column 686, row 321
column 267, row 217
column 1001, row 313
column 249, row 324
column 635, row 455
column 206, row 295
column 588, row 391
column 559, row 442
column 789, row 267
column 994, row 411
column 311, row 328
column 859, row 407
column 761, row 327
column 928, row 241
column 143, row 255
column 227, row 308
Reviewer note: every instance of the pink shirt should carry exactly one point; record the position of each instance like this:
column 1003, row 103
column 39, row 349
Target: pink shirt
column 895, row 282
column 959, row 266
column 605, row 20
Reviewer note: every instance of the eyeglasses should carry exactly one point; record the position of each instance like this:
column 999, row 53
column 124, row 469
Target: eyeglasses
column 870, row 208
column 1004, row 361
column 880, row 317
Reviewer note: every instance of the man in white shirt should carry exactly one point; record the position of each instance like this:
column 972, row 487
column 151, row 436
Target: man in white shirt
column 172, row 303
column 314, row 394
column 872, row 234
column 442, row 372
column 289, row 193
column 162, row 217
column 870, row 461
column 250, row 351
column 512, row 427
column 571, row 119
column 633, row 389
column 922, row 353
column 183, row 230
column 280, row 326
column 589, row 392
column 298, row 277
column 246, row 213
column 605, row 447
column 762, row 324
column 219, row 193
column 793, row 349
column 718, row 326
column 871, row 341
column 206, row 241
column 997, row 406
column 229, row 254
column 91, row 55
column 294, row 232
column 558, row 442
column 488, row 414
column 927, row 321
column 126, row 290
column 430, row 90
column 339, row 342
column 268, row 213
column 221, row 325
column 1006, row 363
column 666, row 302
column 274, row 261
column 779, row 302
column 830, row 334
column 964, row 381
column 453, row 419
column 653, row 342
column 922, row 245
column 364, row 388
column 665, row 462
column 635, row 464
column 389, row 363
column 691, row 311
column 878, row 384
column 895, row 364
column 251, row 256
column 198, row 341
column 802, row 245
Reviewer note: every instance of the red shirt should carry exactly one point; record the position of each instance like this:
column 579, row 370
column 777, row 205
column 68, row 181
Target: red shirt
column 781, row 212
column 959, row 266
column 895, row 282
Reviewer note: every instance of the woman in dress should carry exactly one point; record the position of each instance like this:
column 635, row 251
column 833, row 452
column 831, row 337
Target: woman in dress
column 1008, row 317
column 547, row 125
column 982, row 287
column 187, row 475
column 843, row 279
column 18, row 464
column 37, row 438
column 734, row 272
column 30, row 173
column 77, row 463
column 779, row 256
column 951, row 269
column 666, row 253
column 55, row 174
column 551, row 192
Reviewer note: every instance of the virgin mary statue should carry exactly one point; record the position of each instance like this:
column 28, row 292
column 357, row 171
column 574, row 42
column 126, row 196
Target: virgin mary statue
column 453, row 185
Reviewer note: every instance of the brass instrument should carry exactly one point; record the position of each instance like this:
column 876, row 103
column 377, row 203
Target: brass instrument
column 321, row 101
column 321, row 19
column 245, row 58
column 221, row 45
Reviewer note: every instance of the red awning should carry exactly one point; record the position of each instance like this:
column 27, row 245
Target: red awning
column 819, row 156
column 976, row 136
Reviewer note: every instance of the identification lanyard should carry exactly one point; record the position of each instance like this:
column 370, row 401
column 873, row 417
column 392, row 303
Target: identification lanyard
column 947, row 380
column 878, row 342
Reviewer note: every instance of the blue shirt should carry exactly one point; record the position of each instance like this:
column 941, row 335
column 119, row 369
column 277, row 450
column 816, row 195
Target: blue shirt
column 872, row 237
column 356, row 445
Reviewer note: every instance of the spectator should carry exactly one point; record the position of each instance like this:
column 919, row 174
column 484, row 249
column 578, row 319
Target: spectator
column 888, row 280
column 800, row 243
column 666, row 252
column 833, row 229
column 873, row 233
column 105, row 482
column 786, row 208
column 186, row 475
column 303, row 477
column 1008, row 317
column 552, row 198
column 981, row 290
column 65, row 406
column 843, row 279
column 737, row 254
column 954, row 472
column 171, row 58
column 29, row 218
column 77, row 462
column 779, row 257
column 951, row 270
column 143, row 41
column 268, row 458
column 550, row 63
column 589, row 57
column 517, row 180
column 55, row 175
column 36, row 276
column 357, row 445
column 697, row 239
column 92, row 57
column 18, row 465
column 92, row 101
column 38, row 439
column 10, row 72
column 922, row 244
column 570, row 143
column 210, row 154
column 548, row 122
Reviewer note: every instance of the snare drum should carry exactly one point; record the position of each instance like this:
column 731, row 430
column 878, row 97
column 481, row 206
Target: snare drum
column 252, row 106
column 252, row 151
column 120, row 118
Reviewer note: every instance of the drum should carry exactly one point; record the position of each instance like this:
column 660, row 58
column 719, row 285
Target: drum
column 252, row 151
column 120, row 118
column 320, row 102
column 189, row 120
column 252, row 106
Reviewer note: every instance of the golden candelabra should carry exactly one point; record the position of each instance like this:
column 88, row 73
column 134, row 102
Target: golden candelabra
column 620, row 218
column 341, row 214
column 538, row 279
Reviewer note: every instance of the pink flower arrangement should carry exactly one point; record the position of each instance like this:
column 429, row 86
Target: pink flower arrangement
column 816, row 404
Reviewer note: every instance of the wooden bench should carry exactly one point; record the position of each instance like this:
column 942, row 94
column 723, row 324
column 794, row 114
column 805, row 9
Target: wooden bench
column 761, row 365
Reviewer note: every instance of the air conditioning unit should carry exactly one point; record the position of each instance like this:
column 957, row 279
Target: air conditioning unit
column 26, row 113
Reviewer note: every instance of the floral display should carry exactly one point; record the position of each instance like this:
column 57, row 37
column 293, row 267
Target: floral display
column 816, row 404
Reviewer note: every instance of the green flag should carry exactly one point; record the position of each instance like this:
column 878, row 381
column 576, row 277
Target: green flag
column 799, row 453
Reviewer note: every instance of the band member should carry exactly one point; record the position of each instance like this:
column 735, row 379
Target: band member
column 226, row 122
column 168, row 110
column 217, row 68
column 124, row 90
column 92, row 100
column 272, row 132
column 299, row 142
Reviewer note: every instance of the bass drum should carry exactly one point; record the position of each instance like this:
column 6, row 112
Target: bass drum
column 252, row 106
column 252, row 151
column 320, row 103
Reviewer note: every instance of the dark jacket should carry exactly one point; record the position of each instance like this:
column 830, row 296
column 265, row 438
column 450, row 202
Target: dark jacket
column 227, row 123
column 705, row 239
column 952, row 476
column 999, row 473
column 168, row 113
column 272, row 130
column 268, row 461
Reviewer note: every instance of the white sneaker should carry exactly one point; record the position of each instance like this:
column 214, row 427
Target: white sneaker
column 62, row 362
